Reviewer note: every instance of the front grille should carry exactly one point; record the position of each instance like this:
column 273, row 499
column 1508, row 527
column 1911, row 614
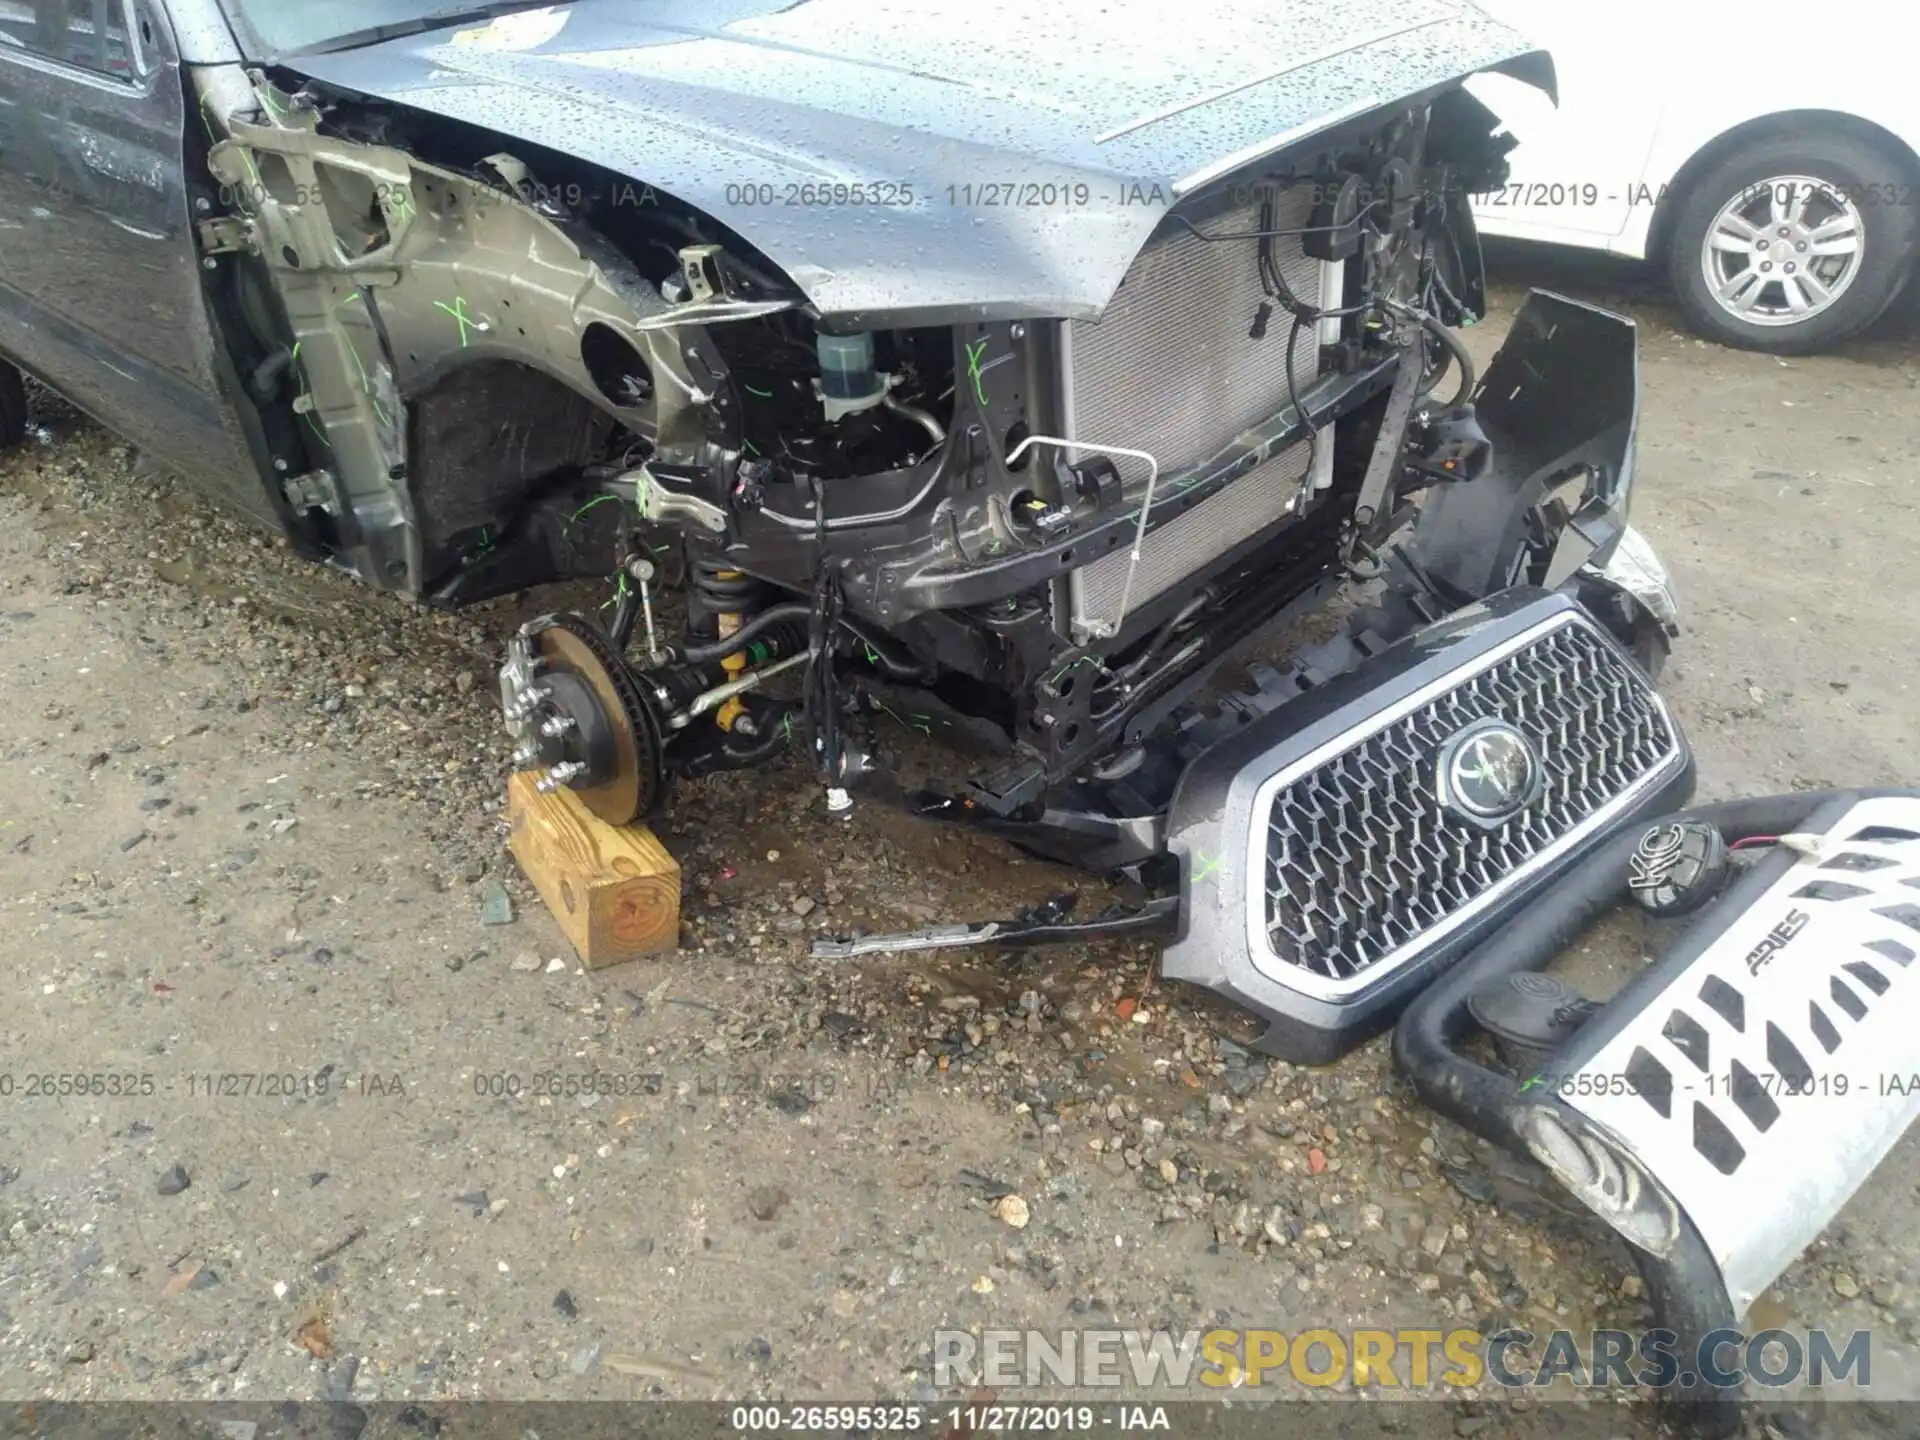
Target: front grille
column 1171, row 368
column 1366, row 868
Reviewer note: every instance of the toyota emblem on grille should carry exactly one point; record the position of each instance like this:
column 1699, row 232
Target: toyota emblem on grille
column 1489, row 772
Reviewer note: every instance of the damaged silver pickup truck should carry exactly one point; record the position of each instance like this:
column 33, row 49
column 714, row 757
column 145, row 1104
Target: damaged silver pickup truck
column 983, row 371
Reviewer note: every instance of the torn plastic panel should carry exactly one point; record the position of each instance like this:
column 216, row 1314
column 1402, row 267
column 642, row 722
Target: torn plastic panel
column 1560, row 403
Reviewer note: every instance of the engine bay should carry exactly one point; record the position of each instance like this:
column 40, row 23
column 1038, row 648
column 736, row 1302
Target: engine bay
column 1040, row 535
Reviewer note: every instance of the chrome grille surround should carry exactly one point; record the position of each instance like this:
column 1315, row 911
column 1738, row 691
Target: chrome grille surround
column 1170, row 368
column 1361, row 869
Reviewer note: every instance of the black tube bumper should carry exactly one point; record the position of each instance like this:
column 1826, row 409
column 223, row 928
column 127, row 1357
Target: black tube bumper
column 1686, row 1284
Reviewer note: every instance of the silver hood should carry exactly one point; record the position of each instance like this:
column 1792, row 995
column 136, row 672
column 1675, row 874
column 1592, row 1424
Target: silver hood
column 968, row 126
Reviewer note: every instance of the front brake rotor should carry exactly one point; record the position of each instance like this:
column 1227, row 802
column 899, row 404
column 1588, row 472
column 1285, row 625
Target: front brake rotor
column 581, row 719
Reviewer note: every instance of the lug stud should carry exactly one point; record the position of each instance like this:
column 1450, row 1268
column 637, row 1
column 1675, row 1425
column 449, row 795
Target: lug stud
column 560, row 775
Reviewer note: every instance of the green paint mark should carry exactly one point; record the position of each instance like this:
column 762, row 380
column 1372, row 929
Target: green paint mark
column 919, row 722
column 458, row 310
column 601, row 500
column 975, row 349
column 786, row 727
column 752, row 449
column 1208, row 865
column 348, row 301
column 295, row 357
column 762, row 394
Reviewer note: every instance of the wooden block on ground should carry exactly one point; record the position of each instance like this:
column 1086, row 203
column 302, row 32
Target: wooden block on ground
column 614, row 889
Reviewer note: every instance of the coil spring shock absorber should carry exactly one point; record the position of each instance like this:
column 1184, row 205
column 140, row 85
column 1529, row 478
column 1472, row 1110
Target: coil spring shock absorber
column 730, row 597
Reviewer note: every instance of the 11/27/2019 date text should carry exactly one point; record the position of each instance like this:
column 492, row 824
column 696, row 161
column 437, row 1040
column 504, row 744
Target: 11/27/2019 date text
column 198, row 1085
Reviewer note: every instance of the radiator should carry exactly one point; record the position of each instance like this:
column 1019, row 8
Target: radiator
column 1170, row 368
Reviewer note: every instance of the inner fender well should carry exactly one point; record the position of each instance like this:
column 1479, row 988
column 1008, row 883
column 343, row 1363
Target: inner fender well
column 437, row 316
column 486, row 435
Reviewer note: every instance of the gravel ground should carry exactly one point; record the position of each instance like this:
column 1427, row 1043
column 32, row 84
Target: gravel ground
column 251, row 819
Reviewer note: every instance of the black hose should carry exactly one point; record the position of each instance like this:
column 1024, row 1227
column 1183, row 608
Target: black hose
column 1166, row 632
column 1446, row 292
column 756, row 627
column 1469, row 376
column 1685, row 1287
column 887, row 654
column 625, row 612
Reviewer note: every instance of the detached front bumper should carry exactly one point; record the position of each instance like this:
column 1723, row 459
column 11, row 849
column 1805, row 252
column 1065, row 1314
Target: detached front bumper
column 1330, row 869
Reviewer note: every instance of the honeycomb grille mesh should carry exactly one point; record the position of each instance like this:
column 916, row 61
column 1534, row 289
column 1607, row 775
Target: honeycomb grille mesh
column 1363, row 859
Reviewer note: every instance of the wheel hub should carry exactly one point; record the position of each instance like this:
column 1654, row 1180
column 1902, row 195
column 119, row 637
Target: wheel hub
column 1782, row 252
column 579, row 720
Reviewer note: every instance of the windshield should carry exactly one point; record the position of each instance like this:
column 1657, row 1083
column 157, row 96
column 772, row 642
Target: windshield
column 289, row 27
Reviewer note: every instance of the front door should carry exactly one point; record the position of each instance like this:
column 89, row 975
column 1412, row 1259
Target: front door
column 100, row 290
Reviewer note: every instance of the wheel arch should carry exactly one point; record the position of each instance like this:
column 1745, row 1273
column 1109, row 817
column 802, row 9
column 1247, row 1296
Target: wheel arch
column 457, row 335
column 1764, row 127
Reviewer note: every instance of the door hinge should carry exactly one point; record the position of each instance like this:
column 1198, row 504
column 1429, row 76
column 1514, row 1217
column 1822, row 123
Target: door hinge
column 226, row 235
column 313, row 491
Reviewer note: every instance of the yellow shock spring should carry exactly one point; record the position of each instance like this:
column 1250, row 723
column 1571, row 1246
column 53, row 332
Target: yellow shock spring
column 729, row 623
